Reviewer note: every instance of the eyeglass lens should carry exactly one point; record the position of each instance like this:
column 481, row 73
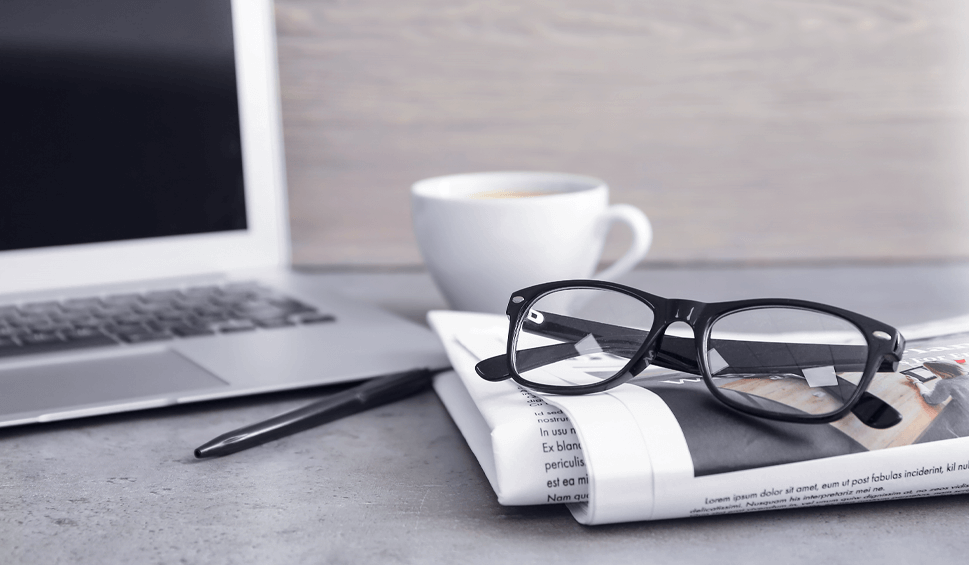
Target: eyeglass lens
column 580, row 336
column 786, row 360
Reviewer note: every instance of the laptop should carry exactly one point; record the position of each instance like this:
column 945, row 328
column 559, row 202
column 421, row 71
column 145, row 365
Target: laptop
column 144, row 241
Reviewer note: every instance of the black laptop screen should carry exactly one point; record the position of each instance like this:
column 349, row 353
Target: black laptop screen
column 119, row 119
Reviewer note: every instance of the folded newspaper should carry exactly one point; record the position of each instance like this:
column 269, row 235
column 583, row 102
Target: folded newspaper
column 662, row 447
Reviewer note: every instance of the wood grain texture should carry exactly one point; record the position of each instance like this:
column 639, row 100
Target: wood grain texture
column 748, row 131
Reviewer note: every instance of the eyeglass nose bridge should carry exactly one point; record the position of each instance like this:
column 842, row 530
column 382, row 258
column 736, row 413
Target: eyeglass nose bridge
column 679, row 310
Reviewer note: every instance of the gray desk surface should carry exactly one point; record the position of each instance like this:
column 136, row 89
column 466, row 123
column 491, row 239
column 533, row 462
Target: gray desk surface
column 399, row 485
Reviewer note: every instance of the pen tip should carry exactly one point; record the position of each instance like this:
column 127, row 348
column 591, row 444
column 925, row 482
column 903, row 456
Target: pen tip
column 198, row 453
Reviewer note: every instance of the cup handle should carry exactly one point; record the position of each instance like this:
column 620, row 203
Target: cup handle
column 642, row 238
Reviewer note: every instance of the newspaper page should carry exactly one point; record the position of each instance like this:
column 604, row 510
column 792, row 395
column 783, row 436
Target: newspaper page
column 663, row 447
column 526, row 447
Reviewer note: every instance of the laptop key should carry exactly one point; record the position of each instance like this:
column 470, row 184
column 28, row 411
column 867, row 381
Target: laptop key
column 83, row 334
column 72, row 315
column 212, row 310
column 261, row 313
column 164, row 296
column 40, row 307
column 80, row 304
column 190, row 331
column 33, row 348
column 123, row 329
column 121, row 299
column 230, row 326
column 87, row 323
column 315, row 318
column 49, row 327
column 31, row 319
column 270, row 323
column 213, row 318
column 171, row 315
column 292, row 306
column 170, row 325
column 199, row 294
column 38, row 338
column 133, row 319
column 145, row 336
column 191, row 303
column 15, row 322
column 110, row 312
column 63, row 327
column 153, row 307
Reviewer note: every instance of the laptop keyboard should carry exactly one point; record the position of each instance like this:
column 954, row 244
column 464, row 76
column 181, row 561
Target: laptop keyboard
column 41, row 327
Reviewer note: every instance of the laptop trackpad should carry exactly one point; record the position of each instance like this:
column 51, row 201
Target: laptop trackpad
column 60, row 386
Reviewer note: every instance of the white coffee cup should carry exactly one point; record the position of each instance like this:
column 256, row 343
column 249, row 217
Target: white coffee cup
column 486, row 235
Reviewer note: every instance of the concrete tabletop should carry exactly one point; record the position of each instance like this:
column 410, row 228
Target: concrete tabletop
column 398, row 484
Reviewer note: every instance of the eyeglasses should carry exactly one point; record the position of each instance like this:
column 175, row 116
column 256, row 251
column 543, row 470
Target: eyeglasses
column 783, row 359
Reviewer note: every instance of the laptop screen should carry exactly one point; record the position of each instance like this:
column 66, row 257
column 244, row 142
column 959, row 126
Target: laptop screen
column 120, row 121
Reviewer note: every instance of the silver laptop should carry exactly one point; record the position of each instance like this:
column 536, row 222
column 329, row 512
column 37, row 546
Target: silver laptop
column 144, row 241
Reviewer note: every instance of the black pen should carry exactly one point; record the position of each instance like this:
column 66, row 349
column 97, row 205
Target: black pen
column 373, row 393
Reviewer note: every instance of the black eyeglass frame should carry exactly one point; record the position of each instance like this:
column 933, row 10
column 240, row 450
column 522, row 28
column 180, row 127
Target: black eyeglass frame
column 885, row 343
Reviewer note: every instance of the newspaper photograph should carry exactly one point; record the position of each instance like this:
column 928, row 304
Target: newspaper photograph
column 931, row 392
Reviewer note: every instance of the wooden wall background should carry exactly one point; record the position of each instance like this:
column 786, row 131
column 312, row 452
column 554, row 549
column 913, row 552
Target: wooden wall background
column 751, row 131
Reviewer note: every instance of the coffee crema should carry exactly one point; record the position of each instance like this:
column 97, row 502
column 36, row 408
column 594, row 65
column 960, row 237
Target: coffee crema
column 509, row 194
